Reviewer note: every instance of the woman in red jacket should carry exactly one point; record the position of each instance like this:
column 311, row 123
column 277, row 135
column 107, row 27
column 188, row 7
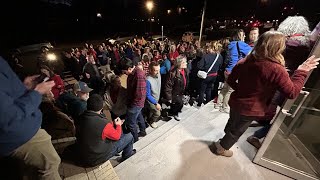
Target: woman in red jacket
column 255, row 79
column 58, row 88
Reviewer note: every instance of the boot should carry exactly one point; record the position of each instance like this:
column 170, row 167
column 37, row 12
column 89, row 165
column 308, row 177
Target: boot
column 254, row 142
column 219, row 150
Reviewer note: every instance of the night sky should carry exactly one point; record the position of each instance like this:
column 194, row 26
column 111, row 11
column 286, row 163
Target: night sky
column 35, row 20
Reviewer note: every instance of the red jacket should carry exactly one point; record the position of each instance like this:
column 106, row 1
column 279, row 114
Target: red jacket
column 173, row 56
column 255, row 83
column 58, row 88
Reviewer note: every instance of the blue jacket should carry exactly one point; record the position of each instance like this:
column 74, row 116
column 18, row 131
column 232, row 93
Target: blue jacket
column 233, row 53
column 20, row 117
column 165, row 67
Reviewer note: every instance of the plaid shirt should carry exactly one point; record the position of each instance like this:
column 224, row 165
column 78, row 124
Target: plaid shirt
column 136, row 87
column 146, row 67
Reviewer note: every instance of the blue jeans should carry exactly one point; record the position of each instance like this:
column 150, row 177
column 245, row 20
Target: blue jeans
column 134, row 117
column 124, row 144
column 261, row 133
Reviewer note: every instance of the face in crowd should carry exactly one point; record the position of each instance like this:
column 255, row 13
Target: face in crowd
column 242, row 36
column 91, row 59
column 83, row 96
column 253, row 36
column 100, row 48
column 116, row 82
column 45, row 71
column 183, row 64
column 154, row 71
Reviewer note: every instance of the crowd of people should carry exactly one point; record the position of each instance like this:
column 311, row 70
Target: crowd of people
column 162, row 77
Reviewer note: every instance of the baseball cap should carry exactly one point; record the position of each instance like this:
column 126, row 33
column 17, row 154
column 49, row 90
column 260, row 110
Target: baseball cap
column 82, row 87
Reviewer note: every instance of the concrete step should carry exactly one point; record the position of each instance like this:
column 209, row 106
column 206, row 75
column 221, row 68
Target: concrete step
column 183, row 153
column 147, row 143
column 153, row 134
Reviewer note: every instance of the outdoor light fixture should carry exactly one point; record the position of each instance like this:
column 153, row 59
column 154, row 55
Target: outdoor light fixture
column 169, row 11
column 99, row 15
column 51, row 57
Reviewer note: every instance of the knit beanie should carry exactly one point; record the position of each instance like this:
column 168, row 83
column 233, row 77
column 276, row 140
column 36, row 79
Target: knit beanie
column 95, row 103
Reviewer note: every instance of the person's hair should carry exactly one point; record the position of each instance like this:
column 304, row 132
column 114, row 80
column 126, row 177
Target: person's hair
column 145, row 58
column 270, row 46
column 216, row 46
column 296, row 25
column 172, row 46
column 254, row 28
column 51, row 73
column 126, row 64
column 235, row 36
column 225, row 42
column 113, row 78
column 180, row 59
column 152, row 64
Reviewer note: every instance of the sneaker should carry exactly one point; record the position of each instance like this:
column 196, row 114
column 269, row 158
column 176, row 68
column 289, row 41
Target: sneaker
column 142, row 134
column 219, row 150
column 177, row 118
column 154, row 125
column 120, row 160
column 254, row 142
column 217, row 106
column 224, row 110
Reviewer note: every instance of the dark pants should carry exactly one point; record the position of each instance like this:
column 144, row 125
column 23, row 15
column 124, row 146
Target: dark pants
column 163, row 82
column 176, row 105
column 124, row 144
column 261, row 133
column 206, row 87
column 134, row 117
column 236, row 126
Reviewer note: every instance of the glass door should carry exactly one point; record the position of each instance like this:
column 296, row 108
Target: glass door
column 292, row 146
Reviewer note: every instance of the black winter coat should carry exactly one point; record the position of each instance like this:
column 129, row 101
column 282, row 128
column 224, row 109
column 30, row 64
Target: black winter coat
column 175, row 86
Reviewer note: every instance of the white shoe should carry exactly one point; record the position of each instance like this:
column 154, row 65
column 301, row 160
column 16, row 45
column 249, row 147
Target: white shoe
column 177, row 118
column 154, row 125
column 217, row 106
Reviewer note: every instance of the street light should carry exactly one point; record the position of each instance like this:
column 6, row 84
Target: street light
column 149, row 5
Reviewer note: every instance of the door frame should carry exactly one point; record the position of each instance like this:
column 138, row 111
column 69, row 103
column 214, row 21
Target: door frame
column 278, row 120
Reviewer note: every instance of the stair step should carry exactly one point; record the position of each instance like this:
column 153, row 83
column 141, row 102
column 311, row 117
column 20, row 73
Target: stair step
column 150, row 140
column 156, row 133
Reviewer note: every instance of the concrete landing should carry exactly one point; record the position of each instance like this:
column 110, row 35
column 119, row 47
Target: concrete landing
column 182, row 152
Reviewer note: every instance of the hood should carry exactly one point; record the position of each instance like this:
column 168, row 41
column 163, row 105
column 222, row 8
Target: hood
column 91, row 114
column 299, row 41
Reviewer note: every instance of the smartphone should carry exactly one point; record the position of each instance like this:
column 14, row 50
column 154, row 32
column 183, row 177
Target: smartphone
column 42, row 78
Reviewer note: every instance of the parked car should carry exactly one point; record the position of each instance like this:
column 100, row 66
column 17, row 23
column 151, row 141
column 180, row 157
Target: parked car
column 34, row 47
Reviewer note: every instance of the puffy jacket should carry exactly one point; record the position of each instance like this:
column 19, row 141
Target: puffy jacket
column 20, row 117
